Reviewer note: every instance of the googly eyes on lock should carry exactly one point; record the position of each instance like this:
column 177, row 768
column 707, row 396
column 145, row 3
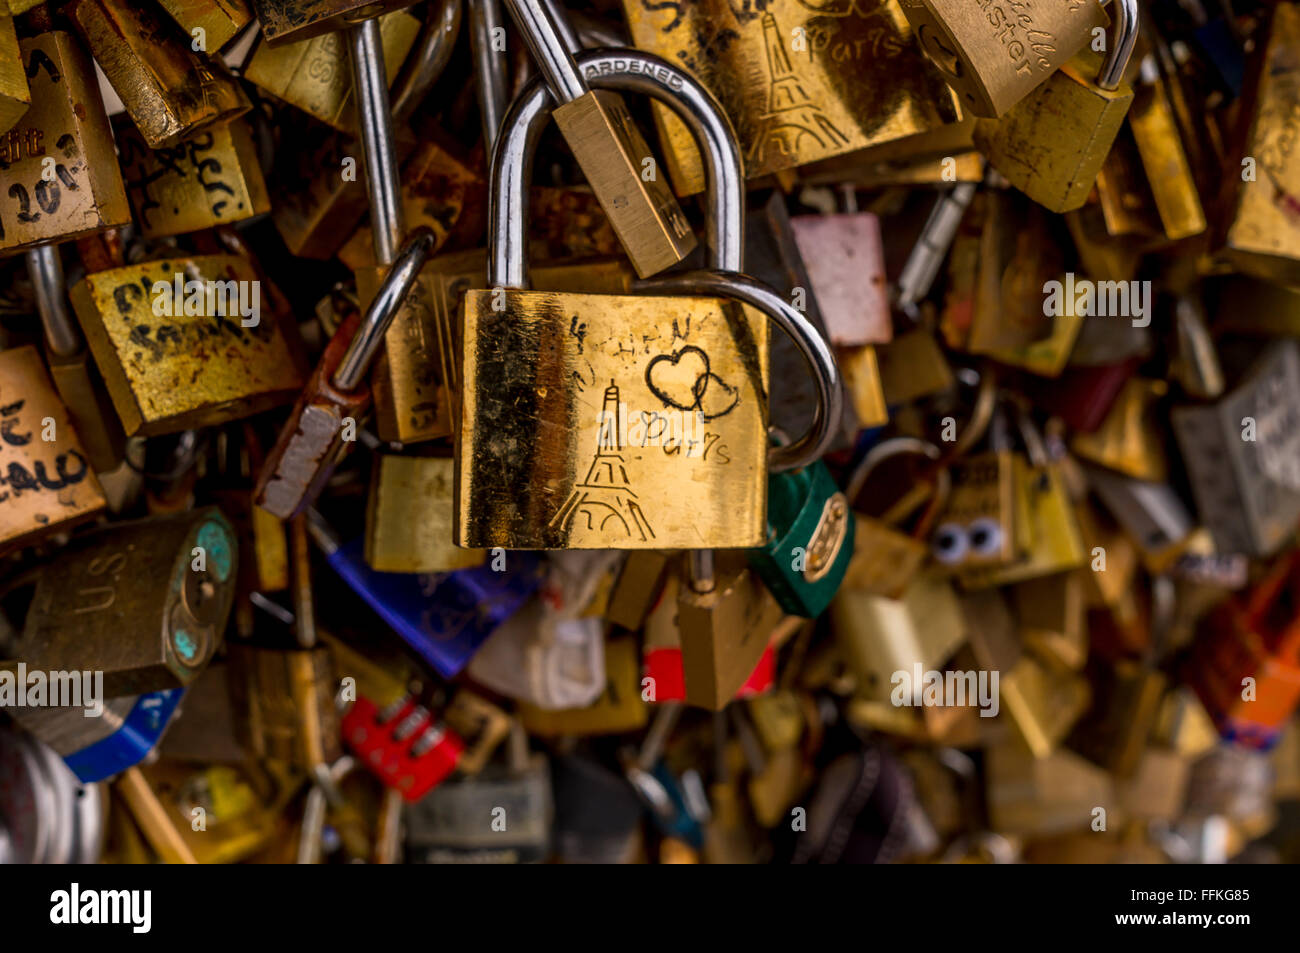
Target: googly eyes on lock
column 951, row 544
column 985, row 537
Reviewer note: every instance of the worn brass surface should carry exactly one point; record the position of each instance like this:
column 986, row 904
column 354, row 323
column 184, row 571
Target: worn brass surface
column 127, row 600
column 87, row 195
column 862, row 380
column 315, row 207
column 995, row 52
column 15, row 97
column 1052, row 143
column 861, row 79
column 542, row 459
column 220, row 20
column 170, row 90
column 179, row 371
column 1262, row 233
column 210, row 179
column 410, row 517
column 1168, row 168
column 48, row 484
column 316, row 75
column 287, row 21
column 724, row 633
column 611, row 151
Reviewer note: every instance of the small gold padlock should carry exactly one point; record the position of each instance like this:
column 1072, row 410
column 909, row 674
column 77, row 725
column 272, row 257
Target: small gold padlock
column 66, row 122
column 995, row 52
column 156, row 327
column 169, row 89
column 212, row 178
column 1052, row 143
column 410, row 516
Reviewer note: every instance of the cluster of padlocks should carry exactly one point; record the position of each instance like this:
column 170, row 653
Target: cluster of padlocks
column 893, row 457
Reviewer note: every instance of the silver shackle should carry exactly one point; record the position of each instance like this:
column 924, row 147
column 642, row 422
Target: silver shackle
column 638, row 72
column 1125, row 13
column 626, row 71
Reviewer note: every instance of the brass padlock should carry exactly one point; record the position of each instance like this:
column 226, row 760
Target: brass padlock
column 66, row 122
column 212, row 178
column 49, row 485
column 15, row 97
column 1260, row 232
column 801, row 84
column 995, row 52
column 410, row 517
column 315, row 76
column 287, row 21
column 609, row 147
column 617, row 373
column 146, row 602
column 725, row 628
column 169, row 89
column 1052, row 143
column 1164, row 154
column 183, row 342
column 213, row 22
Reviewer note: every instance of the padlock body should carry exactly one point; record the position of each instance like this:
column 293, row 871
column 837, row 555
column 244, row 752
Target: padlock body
column 724, row 634
column 169, row 89
column 315, row 75
column 287, row 21
column 995, row 52
column 611, row 422
column 211, row 179
column 81, row 387
column 49, row 483
column 857, row 81
column 1052, row 143
column 812, row 531
column 409, row 517
column 15, row 97
column 219, row 20
column 640, row 205
column 87, row 194
column 145, row 602
column 185, row 342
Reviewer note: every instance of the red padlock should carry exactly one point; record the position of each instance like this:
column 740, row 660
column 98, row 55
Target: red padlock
column 410, row 750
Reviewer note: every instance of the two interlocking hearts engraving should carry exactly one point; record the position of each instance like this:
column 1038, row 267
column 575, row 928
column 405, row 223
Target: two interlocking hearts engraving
column 683, row 380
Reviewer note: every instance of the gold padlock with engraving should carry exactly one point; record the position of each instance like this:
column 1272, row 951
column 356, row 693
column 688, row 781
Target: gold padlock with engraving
column 315, row 76
column 995, row 52
column 801, row 83
column 212, row 178
column 183, row 342
column 66, row 122
column 169, row 89
column 1052, row 144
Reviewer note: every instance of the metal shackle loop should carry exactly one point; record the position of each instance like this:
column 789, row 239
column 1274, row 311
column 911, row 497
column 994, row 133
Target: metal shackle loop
column 816, row 352
column 625, row 71
column 1125, row 13
column 415, row 251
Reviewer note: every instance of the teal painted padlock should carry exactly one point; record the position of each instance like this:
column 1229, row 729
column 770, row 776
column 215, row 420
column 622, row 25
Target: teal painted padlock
column 809, row 540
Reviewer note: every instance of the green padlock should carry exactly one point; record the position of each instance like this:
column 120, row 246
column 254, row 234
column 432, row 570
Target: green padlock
column 809, row 540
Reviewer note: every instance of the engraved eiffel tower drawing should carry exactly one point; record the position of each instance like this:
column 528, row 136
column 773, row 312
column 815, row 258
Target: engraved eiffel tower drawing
column 791, row 113
column 604, row 501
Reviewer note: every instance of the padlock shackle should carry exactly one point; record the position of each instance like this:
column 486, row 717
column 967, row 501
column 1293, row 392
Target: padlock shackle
column 45, row 266
column 375, row 119
column 821, row 359
column 383, row 309
column 424, row 64
column 512, row 158
column 550, row 48
column 489, row 67
column 1125, row 29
